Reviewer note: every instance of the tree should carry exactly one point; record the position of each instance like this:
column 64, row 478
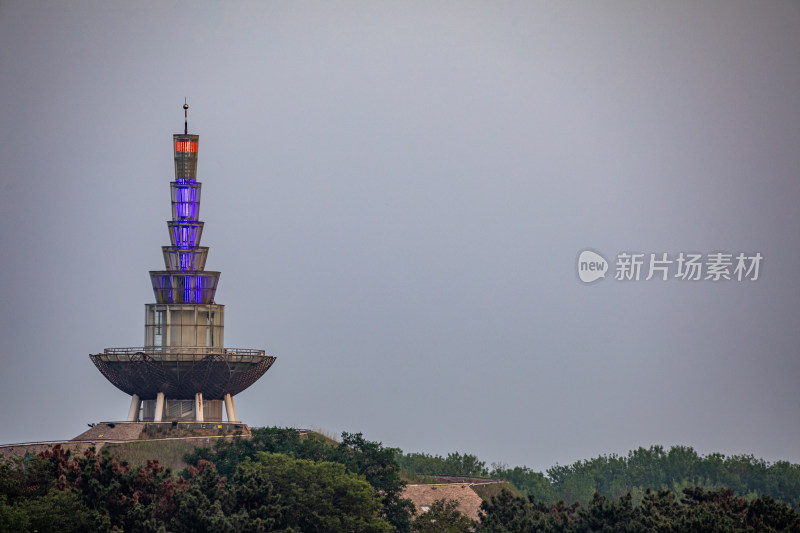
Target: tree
column 506, row 513
column 378, row 466
column 58, row 510
column 604, row 515
column 315, row 496
column 527, row 481
column 442, row 517
column 658, row 511
column 372, row 460
column 455, row 464
column 205, row 504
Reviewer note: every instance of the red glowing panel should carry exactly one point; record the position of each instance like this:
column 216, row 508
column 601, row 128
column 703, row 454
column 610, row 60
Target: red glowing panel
column 186, row 146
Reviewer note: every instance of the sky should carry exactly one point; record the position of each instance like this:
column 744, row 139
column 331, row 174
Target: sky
column 397, row 194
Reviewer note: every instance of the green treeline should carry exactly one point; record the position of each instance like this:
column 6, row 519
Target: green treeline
column 272, row 493
column 614, row 476
column 372, row 461
column 697, row 511
column 281, row 481
column 455, row 464
column 276, row 481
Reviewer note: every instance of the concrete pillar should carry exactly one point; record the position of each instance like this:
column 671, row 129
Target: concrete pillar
column 159, row 407
column 133, row 412
column 198, row 407
column 230, row 410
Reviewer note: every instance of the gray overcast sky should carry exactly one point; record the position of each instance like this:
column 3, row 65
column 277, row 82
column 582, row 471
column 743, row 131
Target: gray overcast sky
column 396, row 194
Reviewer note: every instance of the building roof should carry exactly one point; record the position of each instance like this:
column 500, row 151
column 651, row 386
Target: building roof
column 469, row 502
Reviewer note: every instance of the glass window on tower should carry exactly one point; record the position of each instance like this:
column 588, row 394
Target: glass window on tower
column 210, row 328
column 159, row 329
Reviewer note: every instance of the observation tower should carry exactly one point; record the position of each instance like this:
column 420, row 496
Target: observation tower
column 183, row 372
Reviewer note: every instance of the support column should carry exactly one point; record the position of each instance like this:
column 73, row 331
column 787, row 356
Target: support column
column 133, row 412
column 159, row 407
column 230, row 410
column 198, row 407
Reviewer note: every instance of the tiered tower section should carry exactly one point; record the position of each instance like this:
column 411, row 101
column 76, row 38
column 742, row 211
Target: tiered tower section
column 183, row 372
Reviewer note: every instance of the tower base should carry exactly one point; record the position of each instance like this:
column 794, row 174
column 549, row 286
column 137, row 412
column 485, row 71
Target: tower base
column 181, row 410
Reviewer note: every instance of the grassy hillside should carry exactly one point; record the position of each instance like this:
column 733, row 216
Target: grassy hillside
column 487, row 490
column 168, row 452
column 170, row 445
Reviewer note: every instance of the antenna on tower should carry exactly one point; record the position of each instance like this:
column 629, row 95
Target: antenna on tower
column 185, row 117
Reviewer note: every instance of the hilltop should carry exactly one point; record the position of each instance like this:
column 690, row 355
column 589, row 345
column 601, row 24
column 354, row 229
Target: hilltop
column 135, row 442
column 406, row 488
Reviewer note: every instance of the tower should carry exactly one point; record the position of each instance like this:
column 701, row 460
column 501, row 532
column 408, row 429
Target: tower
column 183, row 372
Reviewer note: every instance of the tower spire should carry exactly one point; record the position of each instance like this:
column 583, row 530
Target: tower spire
column 185, row 117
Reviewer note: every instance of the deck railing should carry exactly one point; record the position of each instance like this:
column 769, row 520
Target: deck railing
column 178, row 353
